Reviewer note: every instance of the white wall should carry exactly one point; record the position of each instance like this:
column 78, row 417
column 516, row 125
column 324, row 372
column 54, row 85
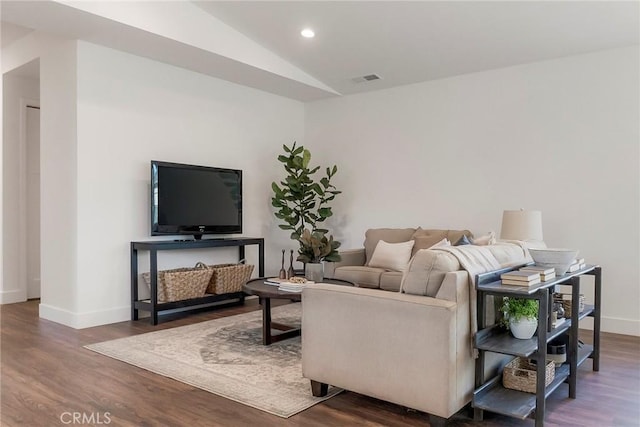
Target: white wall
column 22, row 51
column 18, row 92
column 131, row 110
column 58, row 183
column 560, row 136
column 28, row 48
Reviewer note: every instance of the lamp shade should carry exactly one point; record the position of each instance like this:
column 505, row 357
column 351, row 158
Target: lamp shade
column 521, row 225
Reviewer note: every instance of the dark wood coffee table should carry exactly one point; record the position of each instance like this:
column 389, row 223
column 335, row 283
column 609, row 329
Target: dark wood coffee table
column 265, row 293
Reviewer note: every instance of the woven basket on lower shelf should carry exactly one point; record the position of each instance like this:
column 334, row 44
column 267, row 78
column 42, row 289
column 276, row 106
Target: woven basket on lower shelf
column 520, row 374
column 181, row 283
column 228, row 278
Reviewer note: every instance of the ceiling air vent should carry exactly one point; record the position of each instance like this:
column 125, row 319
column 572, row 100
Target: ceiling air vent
column 367, row 78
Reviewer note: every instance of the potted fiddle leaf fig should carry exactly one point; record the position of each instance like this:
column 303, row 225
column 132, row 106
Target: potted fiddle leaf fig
column 302, row 203
column 521, row 316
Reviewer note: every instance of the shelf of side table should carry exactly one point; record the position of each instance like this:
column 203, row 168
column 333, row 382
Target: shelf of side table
column 491, row 395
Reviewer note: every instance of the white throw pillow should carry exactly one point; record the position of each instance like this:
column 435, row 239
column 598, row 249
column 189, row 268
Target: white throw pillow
column 443, row 242
column 487, row 239
column 392, row 256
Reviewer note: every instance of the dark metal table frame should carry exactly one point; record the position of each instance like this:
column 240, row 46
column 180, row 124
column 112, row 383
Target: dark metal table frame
column 153, row 246
column 265, row 293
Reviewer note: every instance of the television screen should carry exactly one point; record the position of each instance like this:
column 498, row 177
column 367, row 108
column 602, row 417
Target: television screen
column 197, row 200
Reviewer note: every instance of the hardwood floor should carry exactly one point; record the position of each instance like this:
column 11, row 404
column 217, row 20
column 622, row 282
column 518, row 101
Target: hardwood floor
column 47, row 378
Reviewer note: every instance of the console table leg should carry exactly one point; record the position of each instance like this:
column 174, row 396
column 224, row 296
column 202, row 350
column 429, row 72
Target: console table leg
column 595, row 356
column 478, row 414
column 134, row 282
column 153, row 288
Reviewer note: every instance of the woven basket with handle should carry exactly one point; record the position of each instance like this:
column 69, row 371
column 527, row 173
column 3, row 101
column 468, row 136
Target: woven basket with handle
column 181, row 283
column 228, row 278
column 520, row 374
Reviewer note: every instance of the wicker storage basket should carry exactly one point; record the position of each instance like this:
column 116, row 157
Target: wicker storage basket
column 228, row 278
column 520, row 374
column 181, row 283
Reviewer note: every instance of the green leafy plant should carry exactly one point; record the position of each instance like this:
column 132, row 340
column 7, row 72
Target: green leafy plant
column 316, row 247
column 516, row 308
column 302, row 203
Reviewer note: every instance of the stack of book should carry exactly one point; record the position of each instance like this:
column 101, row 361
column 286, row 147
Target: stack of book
column 521, row 278
column 287, row 285
column 577, row 264
column 546, row 273
column 292, row 287
column 274, row 281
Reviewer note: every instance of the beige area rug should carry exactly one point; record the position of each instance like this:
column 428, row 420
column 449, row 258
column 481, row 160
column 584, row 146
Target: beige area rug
column 226, row 357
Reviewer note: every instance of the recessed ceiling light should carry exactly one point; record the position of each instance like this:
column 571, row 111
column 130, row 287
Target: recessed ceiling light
column 308, row 33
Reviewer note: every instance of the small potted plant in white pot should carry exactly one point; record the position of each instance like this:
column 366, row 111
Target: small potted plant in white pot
column 521, row 315
column 316, row 248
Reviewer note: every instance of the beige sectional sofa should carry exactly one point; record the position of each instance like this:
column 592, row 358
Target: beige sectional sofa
column 412, row 348
column 355, row 268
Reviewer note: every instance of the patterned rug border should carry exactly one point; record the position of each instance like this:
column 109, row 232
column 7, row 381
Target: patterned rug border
column 176, row 368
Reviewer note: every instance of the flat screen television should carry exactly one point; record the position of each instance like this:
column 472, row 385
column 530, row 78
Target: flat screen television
column 195, row 200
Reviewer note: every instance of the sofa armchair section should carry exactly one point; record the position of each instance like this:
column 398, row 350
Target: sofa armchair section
column 407, row 349
column 354, row 265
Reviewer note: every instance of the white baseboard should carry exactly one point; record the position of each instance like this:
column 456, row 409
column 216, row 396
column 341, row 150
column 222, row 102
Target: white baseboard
column 620, row 326
column 94, row 318
column 56, row 314
column 84, row 320
column 613, row 325
column 13, row 296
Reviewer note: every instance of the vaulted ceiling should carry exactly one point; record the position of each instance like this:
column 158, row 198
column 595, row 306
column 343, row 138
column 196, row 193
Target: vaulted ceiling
column 258, row 43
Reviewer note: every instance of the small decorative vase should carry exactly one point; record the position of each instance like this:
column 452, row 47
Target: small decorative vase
column 283, row 272
column 523, row 328
column 290, row 272
column 314, row 271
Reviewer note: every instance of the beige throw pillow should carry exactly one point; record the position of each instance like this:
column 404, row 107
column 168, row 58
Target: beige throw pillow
column 426, row 242
column 392, row 256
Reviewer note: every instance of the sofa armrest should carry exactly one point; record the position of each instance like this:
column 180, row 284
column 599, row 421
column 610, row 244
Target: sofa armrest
column 392, row 346
column 349, row 257
column 455, row 287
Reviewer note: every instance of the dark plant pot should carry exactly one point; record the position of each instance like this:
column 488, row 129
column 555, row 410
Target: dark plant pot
column 557, row 351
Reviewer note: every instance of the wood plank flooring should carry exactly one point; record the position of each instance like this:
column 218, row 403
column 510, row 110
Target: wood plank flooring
column 46, row 377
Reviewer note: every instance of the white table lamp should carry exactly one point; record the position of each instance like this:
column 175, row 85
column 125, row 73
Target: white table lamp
column 523, row 225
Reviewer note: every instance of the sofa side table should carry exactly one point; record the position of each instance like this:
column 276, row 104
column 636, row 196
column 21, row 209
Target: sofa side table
column 491, row 395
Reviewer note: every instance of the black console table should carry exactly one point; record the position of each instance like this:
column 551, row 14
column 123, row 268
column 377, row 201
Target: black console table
column 151, row 305
column 491, row 395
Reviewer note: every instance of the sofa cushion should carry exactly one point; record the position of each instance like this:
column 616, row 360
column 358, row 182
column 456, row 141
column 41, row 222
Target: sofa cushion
column 427, row 271
column 426, row 238
column 433, row 235
column 426, row 242
column 389, row 235
column 392, row 256
column 391, row 280
column 365, row 277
